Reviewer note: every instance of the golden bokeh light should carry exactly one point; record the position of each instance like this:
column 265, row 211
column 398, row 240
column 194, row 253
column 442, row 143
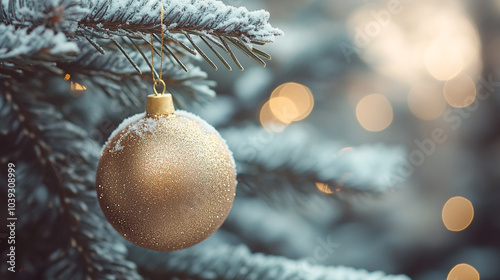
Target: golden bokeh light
column 283, row 109
column 67, row 77
column 77, row 87
column 426, row 101
column 463, row 271
column 346, row 149
column 460, row 91
column 269, row 121
column 324, row 188
column 458, row 213
column 433, row 37
column 277, row 90
column 442, row 60
column 299, row 95
column 374, row 112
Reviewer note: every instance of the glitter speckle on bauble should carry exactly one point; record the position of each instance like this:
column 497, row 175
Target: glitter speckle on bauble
column 166, row 180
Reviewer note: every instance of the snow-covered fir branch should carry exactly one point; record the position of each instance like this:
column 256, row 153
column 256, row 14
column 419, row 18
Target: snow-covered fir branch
column 285, row 162
column 58, row 15
column 227, row 262
column 219, row 26
column 204, row 17
column 62, row 160
column 209, row 17
column 24, row 49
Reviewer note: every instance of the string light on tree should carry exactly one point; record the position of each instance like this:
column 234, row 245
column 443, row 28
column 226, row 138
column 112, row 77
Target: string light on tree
column 324, row 188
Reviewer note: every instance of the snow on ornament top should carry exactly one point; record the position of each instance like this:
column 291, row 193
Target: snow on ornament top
column 136, row 121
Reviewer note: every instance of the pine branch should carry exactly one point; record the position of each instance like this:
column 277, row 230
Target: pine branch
column 113, row 75
column 67, row 159
column 19, row 147
column 207, row 19
column 272, row 163
column 210, row 17
column 237, row 262
column 34, row 229
column 267, row 228
column 21, row 49
column 59, row 15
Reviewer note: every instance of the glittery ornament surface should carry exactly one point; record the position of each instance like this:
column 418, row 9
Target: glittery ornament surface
column 166, row 182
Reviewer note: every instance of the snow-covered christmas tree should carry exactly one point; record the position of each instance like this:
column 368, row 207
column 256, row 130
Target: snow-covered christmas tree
column 71, row 71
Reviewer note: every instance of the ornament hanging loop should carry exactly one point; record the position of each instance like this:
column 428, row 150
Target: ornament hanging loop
column 158, row 80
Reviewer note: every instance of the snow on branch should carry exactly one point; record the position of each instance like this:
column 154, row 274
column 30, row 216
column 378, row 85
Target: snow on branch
column 209, row 17
column 59, row 15
column 283, row 161
column 237, row 262
column 219, row 26
column 186, row 22
column 22, row 49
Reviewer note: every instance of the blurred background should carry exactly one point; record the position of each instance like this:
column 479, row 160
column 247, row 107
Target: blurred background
column 422, row 75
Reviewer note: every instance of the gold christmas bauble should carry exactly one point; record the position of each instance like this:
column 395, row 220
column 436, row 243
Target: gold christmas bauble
column 166, row 180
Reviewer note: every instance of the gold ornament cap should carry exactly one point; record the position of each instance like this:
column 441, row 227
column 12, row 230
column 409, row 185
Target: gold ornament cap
column 160, row 104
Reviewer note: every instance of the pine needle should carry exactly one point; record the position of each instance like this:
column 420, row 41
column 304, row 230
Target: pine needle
column 126, row 55
column 231, row 54
column 200, row 51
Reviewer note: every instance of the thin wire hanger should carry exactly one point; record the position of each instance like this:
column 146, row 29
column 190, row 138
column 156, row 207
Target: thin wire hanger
column 158, row 80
